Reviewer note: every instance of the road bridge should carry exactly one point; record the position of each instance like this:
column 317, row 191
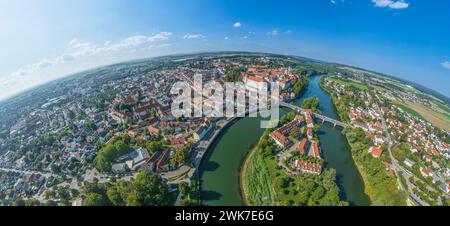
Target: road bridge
column 320, row 117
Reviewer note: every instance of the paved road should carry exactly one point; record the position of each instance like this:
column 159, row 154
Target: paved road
column 316, row 115
column 286, row 154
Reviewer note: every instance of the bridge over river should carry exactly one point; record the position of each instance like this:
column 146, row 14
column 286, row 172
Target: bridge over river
column 316, row 115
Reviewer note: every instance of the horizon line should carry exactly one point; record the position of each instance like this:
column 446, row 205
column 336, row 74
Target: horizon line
column 76, row 73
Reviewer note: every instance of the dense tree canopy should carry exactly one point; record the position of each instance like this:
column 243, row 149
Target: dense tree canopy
column 311, row 103
column 147, row 190
column 233, row 75
column 108, row 154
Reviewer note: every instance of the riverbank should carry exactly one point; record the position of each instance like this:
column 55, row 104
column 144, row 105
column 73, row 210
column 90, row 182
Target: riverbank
column 242, row 171
column 361, row 171
column 265, row 183
column 341, row 177
column 256, row 179
column 235, row 176
column 220, row 169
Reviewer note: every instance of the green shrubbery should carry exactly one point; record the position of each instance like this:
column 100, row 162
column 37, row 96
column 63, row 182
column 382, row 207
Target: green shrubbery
column 265, row 183
column 380, row 186
column 146, row 190
column 311, row 103
column 110, row 153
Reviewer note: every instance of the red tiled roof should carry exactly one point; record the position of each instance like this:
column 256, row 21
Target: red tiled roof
column 315, row 149
column 280, row 137
column 310, row 131
column 427, row 170
column 153, row 130
column 308, row 166
column 256, row 79
column 298, row 118
column 436, row 153
column 176, row 142
column 375, row 151
column 302, row 146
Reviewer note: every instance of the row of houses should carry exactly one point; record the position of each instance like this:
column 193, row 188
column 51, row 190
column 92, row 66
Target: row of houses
column 308, row 167
column 279, row 135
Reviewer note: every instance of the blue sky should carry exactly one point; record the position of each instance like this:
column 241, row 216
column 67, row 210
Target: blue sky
column 42, row 40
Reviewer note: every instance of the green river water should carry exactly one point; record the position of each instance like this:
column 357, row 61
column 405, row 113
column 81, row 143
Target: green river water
column 219, row 173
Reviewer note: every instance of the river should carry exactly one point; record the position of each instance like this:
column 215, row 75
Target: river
column 220, row 169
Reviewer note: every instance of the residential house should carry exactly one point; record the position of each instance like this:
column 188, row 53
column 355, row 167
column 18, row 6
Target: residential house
column 280, row 139
column 302, row 146
column 375, row 151
column 308, row 167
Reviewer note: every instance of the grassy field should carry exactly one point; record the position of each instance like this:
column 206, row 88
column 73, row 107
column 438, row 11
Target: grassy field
column 444, row 109
column 255, row 182
column 410, row 111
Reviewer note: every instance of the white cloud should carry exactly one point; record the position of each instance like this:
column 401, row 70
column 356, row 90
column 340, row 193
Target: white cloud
column 237, row 25
column 336, row 2
column 81, row 56
column 89, row 49
column 65, row 58
column 446, row 64
column 43, row 64
column 400, row 4
column 161, row 36
column 193, row 36
column 74, row 42
column 273, row 33
column 165, row 45
column 226, row 38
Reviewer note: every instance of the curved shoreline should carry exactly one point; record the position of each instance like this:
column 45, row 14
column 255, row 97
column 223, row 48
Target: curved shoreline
column 208, row 152
column 244, row 168
column 214, row 139
column 358, row 166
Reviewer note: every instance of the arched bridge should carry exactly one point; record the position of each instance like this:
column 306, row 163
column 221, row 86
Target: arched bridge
column 323, row 118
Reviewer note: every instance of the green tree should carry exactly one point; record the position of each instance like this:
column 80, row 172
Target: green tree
column 95, row 199
column 119, row 192
column 180, row 156
column 400, row 151
column 149, row 190
column 184, row 188
column 311, row 103
column 296, row 132
column 107, row 155
column 233, row 75
column 32, row 202
column 153, row 146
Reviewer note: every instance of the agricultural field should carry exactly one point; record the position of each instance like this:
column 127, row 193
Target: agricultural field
column 410, row 111
column 441, row 108
column 439, row 119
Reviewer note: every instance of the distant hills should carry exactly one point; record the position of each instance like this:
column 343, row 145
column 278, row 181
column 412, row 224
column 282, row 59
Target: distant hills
column 216, row 54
